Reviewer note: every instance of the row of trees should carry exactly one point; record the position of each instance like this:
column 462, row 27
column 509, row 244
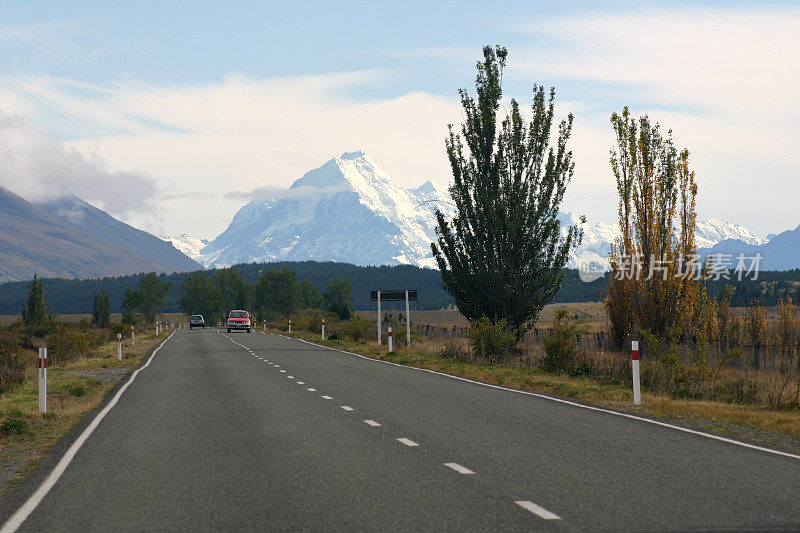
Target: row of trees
column 503, row 254
column 274, row 294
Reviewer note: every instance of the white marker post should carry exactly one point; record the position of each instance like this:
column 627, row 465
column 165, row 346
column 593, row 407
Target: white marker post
column 290, row 325
column 389, row 333
column 265, row 326
column 119, row 346
column 42, row 380
column 637, row 393
column 408, row 323
column 323, row 329
column 379, row 318
column 133, row 337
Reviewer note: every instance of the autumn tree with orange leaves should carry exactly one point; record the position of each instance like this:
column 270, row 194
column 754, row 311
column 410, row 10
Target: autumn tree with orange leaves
column 656, row 293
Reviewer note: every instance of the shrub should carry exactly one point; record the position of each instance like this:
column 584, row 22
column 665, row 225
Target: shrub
column 356, row 328
column 12, row 364
column 314, row 323
column 13, row 424
column 490, row 340
column 67, row 344
column 114, row 329
column 561, row 347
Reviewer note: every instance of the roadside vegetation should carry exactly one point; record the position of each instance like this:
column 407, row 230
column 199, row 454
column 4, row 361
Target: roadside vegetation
column 82, row 368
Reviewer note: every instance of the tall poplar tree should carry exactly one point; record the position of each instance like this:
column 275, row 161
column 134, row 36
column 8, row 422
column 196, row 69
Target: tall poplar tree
column 101, row 312
column 502, row 255
column 656, row 292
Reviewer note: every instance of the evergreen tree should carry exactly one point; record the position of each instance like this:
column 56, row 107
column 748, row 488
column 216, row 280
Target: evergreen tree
column 336, row 298
column 199, row 296
column 148, row 298
column 276, row 292
column 101, row 312
column 232, row 288
column 309, row 296
column 35, row 312
column 502, row 256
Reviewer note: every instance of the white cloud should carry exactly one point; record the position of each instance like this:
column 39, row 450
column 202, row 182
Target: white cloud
column 37, row 166
column 725, row 81
column 242, row 134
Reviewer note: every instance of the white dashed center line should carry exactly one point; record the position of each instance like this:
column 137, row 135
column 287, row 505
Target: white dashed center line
column 458, row 468
column 372, row 423
column 283, row 371
column 312, row 390
column 407, row 442
column 290, row 377
column 346, row 407
column 327, row 397
column 541, row 512
column 301, row 382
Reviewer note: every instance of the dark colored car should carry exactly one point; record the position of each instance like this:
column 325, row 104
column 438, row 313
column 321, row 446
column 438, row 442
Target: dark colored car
column 238, row 319
column 197, row 321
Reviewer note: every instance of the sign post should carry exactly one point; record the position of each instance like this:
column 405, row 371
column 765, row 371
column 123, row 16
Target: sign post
column 408, row 323
column 42, row 380
column 637, row 393
column 394, row 296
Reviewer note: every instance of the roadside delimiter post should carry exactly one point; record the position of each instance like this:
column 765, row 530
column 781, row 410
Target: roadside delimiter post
column 133, row 337
column 290, row 325
column 119, row 346
column 637, row 393
column 323, row 329
column 42, row 380
column 389, row 337
column 380, row 318
column 408, row 323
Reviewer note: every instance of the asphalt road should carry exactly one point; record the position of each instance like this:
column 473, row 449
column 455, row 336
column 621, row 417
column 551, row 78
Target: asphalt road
column 236, row 431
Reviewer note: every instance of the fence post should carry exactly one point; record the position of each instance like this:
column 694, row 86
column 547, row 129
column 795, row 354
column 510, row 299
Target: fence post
column 42, row 380
column 119, row 346
column 637, row 393
column 389, row 333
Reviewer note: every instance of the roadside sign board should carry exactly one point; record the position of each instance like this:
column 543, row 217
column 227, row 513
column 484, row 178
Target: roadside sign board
column 393, row 296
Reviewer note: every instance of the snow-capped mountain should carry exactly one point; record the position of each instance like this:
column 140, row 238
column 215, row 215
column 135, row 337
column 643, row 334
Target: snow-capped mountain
column 349, row 210
column 189, row 246
column 709, row 232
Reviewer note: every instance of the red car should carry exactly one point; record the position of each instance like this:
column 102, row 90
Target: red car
column 238, row 319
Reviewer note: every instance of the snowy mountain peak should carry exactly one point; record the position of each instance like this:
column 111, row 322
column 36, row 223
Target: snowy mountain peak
column 349, row 210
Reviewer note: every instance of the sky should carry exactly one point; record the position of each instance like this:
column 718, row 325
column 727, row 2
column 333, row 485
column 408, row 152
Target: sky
column 155, row 111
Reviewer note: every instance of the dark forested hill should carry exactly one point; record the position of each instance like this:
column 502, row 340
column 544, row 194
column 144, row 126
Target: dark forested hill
column 67, row 296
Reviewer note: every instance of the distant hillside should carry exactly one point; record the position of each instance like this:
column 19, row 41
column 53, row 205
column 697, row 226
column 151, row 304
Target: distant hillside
column 97, row 223
column 34, row 242
column 75, row 296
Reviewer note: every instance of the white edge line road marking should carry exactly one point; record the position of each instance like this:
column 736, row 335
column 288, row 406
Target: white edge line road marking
column 541, row 512
column 372, row 423
column 21, row 514
column 407, row 442
column 458, row 468
column 568, row 402
column 346, row 407
column 312, row 390
column 327, row 397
